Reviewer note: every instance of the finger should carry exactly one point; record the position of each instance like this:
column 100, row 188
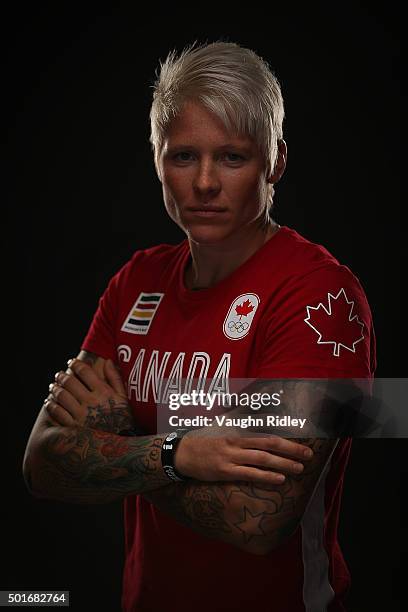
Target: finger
column 86, row 374
column 114, row 378
column 257, row 476
column 278, row 445
column 65, row 399
column 269, row 461
column 73, row 385
column 291, row 448
column 58, row 413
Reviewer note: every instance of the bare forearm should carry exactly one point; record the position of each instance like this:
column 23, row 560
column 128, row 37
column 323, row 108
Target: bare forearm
column 84, row 466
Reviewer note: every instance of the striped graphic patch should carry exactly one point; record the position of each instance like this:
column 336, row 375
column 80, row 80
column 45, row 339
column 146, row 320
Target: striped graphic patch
column 142, row 312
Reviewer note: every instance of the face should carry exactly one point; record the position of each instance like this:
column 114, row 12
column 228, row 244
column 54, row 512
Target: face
column 214, row 183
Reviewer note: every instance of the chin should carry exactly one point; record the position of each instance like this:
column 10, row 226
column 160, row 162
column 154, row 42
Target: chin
column 207, row 234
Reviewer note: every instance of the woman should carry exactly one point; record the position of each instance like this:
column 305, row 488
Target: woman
column 241, row 297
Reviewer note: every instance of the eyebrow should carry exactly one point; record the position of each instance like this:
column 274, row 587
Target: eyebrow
column 230, row 145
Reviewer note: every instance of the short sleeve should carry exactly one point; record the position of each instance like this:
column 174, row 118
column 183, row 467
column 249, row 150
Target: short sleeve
column 100, row 338
column 320, row 326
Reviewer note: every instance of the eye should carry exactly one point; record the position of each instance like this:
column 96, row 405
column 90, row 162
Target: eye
column 234, row 157
column 182, row 156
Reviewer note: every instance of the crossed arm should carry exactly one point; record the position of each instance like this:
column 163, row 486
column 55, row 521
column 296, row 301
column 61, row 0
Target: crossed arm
column 90, row 463
column 254, row 518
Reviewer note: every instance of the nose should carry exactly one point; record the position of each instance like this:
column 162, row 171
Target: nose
column 206, row 181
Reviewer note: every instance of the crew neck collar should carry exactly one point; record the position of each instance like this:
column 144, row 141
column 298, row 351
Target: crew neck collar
column 201, row 294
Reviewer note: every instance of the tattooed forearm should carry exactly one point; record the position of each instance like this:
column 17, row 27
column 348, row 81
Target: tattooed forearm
column 252, row 518
column 269, row 515
column 88, row 466
column 243, row 514
column 111, row 416
column 200, row 505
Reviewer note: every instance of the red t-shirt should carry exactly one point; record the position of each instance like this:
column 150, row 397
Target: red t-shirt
column 290, row 311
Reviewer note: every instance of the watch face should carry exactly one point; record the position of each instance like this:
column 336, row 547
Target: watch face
column 171, row 436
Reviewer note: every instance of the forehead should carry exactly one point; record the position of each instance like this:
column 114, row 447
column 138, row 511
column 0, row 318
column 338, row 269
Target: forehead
column 195, row 124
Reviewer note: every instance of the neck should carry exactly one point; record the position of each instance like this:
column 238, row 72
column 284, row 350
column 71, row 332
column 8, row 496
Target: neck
column 211, row 263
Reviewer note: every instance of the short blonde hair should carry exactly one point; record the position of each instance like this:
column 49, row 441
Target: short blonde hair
column 231, row 81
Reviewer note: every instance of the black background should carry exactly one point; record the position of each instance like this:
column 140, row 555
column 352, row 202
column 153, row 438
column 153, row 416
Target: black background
column 83, row 196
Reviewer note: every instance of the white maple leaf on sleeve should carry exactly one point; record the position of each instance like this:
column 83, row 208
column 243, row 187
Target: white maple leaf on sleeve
column 336, row 322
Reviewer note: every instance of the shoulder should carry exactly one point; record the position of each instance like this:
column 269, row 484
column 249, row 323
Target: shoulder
column 300, row 253
column 312, row 269
column 318, row 310
column 159, row 255
column 151, row 261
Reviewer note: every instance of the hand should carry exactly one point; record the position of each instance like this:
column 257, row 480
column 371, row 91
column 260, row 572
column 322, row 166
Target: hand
column 80, row 397
column 234, row 458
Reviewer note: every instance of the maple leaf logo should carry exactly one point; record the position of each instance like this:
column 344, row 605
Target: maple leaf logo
column 244, row 309
column 336, row 324
column 240, row 316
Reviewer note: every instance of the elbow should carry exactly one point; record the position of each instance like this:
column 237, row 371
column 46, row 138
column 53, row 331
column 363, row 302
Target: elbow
column 27, row 470
column 29, row 476
column 34, row 472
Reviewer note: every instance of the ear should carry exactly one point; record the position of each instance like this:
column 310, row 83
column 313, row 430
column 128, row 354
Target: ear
column 280, row 163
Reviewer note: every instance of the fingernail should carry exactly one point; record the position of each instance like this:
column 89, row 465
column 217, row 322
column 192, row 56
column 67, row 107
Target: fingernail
column 69, row 361
column 50, row 386
column 308, row 453
column 298, row 467
column 280, row 478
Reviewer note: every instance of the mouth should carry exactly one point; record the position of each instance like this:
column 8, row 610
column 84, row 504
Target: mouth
column 206, row 211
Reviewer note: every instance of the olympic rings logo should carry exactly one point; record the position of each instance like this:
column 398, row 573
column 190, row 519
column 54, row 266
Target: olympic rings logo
column 238, row 326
